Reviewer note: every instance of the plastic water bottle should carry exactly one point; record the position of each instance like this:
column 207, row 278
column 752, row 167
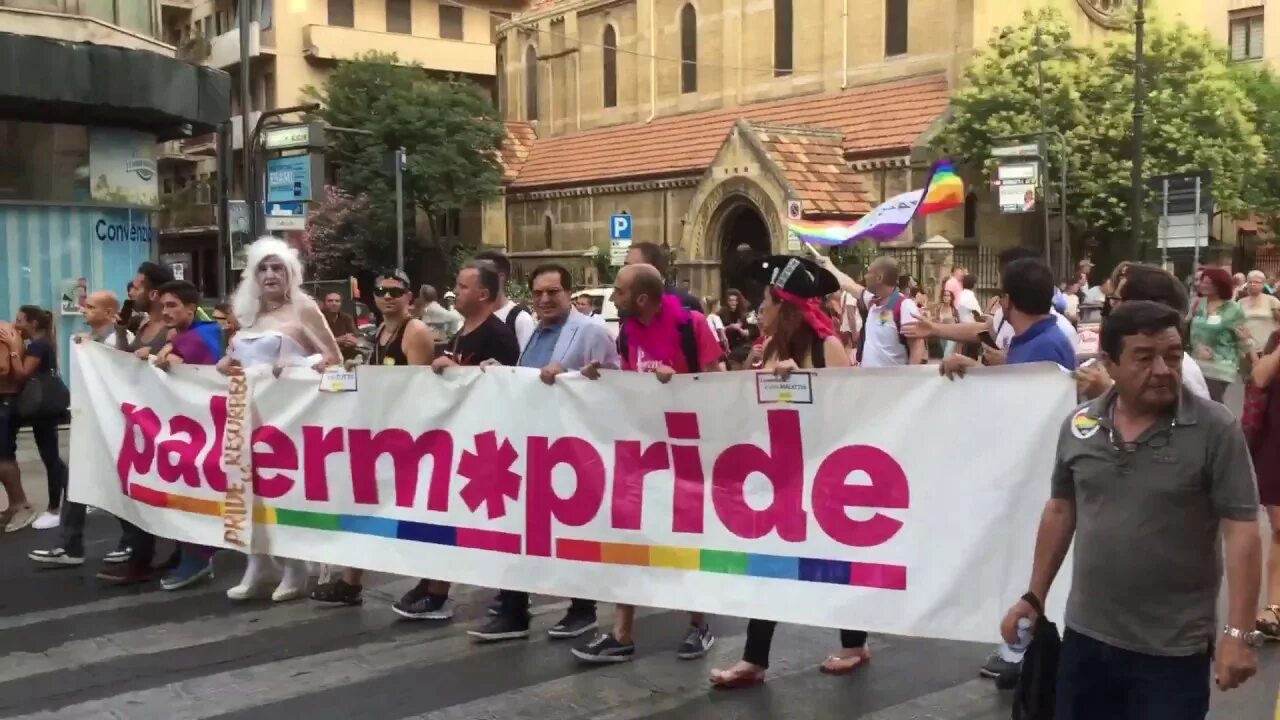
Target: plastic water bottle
column 1024, row 635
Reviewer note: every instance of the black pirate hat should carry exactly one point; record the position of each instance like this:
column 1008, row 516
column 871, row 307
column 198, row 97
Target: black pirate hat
column 798, row 276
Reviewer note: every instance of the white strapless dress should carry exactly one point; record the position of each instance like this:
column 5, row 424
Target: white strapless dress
column 271, row 348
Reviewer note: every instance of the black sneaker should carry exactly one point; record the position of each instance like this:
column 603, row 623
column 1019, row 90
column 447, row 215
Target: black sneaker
column 57, row 557
column 572, row 625
column 337, row 593
column 502, row 627
column 426, row 607
column 696, row 643
column 605, row 649
column 117, row 556
column 997, row 666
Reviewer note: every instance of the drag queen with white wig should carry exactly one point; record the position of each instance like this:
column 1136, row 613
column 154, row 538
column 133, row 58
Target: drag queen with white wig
column 280, row 326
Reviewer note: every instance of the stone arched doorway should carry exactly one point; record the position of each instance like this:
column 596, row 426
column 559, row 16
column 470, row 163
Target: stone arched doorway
column 744, row 238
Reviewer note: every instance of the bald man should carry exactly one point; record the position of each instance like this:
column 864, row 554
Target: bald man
column 101, row 311
column 686, row 345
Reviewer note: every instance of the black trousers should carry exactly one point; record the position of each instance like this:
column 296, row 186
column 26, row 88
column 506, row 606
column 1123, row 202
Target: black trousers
column 142, row 542
column 72, row 528
column 516, row 604
column 760, row 639
column 45, row 432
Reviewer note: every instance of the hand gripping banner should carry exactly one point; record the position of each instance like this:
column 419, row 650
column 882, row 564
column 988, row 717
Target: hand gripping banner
column 890, row 500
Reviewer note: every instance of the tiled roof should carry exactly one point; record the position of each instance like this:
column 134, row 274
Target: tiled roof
column 812, row 162
column 516, row 141
column 877, row 118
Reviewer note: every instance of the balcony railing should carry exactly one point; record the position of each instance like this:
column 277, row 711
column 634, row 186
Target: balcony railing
column 206, row 144
column 188, row 209
column 224, row 51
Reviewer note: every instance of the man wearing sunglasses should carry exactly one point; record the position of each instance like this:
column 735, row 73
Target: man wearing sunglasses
column 401, row 340
column 1155, row 486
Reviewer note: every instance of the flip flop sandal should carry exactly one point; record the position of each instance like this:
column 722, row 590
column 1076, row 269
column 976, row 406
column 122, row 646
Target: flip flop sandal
column 863, row 659
column 1268, row 623
column 734, row 679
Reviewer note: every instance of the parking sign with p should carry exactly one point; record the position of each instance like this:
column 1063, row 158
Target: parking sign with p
column 620, row 227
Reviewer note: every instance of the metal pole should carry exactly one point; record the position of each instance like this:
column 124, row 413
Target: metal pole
column 225, row 169
column 1044, row 150
column 246, row 155
column 1195, row 239
column 1139, row 97
column 400, row 208
column 1062, row 208
column 1164, row 224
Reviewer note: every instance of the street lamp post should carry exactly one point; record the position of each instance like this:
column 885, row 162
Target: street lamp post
column 1139, row 97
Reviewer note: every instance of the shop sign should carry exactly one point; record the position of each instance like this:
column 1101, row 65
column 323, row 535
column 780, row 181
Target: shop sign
column 285, row 138
column 122, row 228
column 122, row 167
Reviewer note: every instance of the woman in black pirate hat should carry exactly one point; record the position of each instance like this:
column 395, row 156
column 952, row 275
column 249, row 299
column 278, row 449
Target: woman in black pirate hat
column 800, row 336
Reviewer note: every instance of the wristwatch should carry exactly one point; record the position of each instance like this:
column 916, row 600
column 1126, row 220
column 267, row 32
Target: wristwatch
column 1252, row 639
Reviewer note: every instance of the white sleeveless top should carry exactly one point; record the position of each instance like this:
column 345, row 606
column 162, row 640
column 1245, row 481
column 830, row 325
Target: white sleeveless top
column 269, row 348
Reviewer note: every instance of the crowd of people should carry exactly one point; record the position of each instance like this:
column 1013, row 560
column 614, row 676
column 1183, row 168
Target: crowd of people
column 1152, row 475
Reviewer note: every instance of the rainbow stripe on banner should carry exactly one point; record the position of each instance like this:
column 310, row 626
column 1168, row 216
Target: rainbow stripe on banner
column 779, row 567
column 944, row 191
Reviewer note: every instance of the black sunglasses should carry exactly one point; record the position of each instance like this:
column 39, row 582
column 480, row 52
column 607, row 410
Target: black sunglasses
column 394, row 292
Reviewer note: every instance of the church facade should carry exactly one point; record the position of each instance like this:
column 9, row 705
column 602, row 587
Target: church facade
column 713, row 122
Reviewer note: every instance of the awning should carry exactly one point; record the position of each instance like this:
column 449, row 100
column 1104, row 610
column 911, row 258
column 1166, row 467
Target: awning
column 52, row 81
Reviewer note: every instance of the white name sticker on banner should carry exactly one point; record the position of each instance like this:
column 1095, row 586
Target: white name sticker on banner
column 337, row 380
column 689, row 495
column 798, row 388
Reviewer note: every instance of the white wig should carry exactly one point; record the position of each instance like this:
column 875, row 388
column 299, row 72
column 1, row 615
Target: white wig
column 247, row 301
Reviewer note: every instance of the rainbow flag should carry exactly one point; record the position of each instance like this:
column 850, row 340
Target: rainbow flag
column 944, row 191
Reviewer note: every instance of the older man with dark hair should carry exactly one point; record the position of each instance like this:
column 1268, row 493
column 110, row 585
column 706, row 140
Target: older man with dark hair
column 565, row 341
column 1154, row 486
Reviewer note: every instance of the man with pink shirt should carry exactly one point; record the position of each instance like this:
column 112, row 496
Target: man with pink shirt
column 660, row 336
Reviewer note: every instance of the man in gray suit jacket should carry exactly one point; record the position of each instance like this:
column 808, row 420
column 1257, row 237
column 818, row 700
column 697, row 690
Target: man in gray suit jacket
column 564, row 341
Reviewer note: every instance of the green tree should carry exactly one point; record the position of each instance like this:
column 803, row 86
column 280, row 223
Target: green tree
column 1197, row 117
column 1263, row 88
column 449, row 130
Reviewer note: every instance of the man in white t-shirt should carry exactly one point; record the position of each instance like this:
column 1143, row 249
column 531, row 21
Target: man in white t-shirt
column 883, row 342
column 522, row 323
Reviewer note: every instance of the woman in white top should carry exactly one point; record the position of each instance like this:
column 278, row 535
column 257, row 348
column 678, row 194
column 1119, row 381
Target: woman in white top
column 1261, row 311
column 280, row 326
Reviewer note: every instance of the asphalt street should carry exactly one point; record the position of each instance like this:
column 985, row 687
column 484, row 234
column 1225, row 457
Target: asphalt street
column 72, row 649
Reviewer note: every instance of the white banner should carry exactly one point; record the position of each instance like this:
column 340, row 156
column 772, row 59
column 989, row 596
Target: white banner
column 887, row 500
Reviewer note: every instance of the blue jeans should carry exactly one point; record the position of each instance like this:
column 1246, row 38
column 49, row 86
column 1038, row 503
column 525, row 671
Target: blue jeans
column 1099, row 682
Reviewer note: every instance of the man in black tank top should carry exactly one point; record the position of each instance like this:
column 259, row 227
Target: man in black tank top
column 402, row 340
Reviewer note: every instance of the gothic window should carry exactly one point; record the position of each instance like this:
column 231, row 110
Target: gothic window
column 530, row 84
column 610, row 61
column 688, row 49
column 783, row 34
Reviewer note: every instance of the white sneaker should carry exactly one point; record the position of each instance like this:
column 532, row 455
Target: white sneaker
column 47, row 521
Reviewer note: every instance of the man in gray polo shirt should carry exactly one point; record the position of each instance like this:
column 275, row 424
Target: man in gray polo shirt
column 1148, row 479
